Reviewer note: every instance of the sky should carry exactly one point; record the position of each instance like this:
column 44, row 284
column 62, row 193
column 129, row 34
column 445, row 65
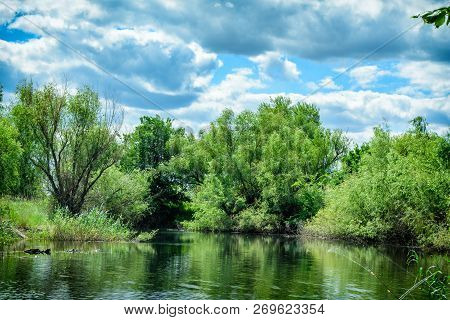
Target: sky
column 190, row 60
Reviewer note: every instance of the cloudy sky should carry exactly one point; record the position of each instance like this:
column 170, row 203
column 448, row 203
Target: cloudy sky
column 195, row 58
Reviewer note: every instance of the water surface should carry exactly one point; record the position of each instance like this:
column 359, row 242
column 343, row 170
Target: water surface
column 209, row 266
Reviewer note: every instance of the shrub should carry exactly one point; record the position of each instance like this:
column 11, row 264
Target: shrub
column 92, row 225
column 400, row 191
column 208, row 219
column 257, row 220
column 122, row 195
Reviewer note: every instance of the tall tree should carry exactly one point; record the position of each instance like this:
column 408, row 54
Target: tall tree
column 73, row 138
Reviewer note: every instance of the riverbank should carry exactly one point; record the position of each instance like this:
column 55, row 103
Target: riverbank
column 35, row 220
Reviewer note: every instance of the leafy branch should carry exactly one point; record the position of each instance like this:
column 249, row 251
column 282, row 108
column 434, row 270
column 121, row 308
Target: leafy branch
column 436, row 17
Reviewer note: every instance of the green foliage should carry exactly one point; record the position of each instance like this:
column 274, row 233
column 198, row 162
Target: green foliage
column 148, row 149
column 401, row 191
column 431, row 280
column 257, row 220
column 121, row 194
column 10, row 153
column 146, row 236
column 72, row 139
column 27, row 214
column 92, row 225
column 271, row 163
column 6, row 229
column 30, row 177
column 436, row 17
column 147, row 146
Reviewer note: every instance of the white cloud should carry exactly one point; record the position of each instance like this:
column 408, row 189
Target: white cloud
column 426, row 75
column 37, row 57
column 273, row 65
column 366, row 75
column 355, row 112
column 326, row 83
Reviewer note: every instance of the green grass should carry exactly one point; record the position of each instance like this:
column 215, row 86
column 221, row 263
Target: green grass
column 93, row 225
column 31, row 217
column 7, row 234
column 27, row 214
column 34, row 219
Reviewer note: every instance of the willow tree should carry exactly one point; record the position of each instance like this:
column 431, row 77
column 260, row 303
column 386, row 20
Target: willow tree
column 73, row 138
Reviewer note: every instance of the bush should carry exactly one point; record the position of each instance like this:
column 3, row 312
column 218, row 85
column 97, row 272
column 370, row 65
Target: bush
column 401, row 192
column 122, row 195
column 92, row 225
column 257, row 220
column 208, row 219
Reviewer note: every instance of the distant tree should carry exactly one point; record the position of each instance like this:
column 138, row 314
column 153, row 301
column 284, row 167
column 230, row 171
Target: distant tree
column 73, row 139
column 149, row 148
column 419, row 125
column 146, row 147
column 436, row 17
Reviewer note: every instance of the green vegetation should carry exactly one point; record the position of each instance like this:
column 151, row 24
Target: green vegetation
column 432, row 280
column 265, row 170
column 400, row 191
column 146, row 236
column 436, row 17
column 92, row 225
column 71, row 175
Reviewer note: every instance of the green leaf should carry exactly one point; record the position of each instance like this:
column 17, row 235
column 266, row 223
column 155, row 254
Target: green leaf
column 440, row 20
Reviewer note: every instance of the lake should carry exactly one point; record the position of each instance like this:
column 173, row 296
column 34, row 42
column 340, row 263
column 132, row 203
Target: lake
column 179, row 265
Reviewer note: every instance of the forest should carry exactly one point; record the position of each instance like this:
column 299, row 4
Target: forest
column 68, row 172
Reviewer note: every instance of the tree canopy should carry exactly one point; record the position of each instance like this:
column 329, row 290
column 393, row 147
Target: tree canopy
column 72, row 138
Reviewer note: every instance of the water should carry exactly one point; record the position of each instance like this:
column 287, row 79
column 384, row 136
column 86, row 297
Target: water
column 208, row 266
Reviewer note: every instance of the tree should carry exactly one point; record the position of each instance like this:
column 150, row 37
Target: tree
column 264, row 168
column 149, row 148
column 146, row 147
column 30, row 177
column 73, row 139
column 10, row 153
column 436, row 17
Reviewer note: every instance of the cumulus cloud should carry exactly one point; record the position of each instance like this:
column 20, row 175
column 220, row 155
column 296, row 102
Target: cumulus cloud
column 366, row 75
column 172, row 71
column 426, row 75
column 311, row 29
column 325, row 83
column 273, row 65
column 355, row 112
column 171, row 50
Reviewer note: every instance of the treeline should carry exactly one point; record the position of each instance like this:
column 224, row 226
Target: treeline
column 274, row 170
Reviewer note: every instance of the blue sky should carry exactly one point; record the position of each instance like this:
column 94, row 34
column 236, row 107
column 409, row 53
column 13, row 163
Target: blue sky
column 196, row 58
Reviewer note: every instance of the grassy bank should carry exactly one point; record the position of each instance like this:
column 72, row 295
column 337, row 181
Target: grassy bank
column 34, row 219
